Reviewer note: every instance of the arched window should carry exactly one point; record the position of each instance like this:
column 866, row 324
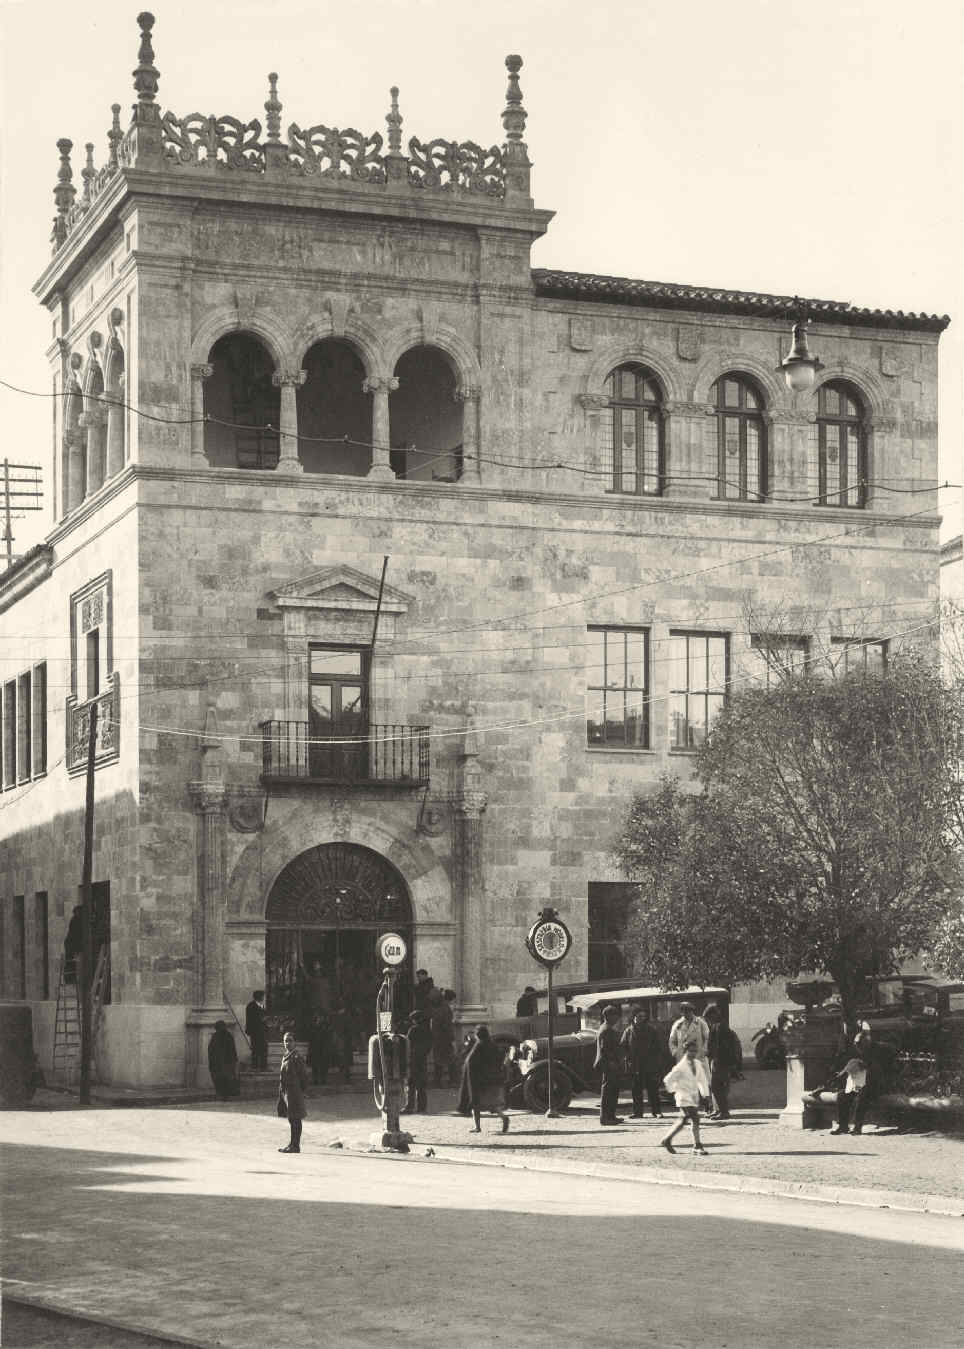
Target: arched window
column 838, row 447
column 243, row 404
column 741, row 452
column 334, row 411
column 633, row 427
column 425, row 417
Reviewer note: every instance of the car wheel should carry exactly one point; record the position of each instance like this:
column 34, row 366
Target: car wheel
column 535, row 1091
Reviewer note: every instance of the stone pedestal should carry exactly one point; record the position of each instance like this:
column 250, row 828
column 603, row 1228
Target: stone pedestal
column 811, row 1048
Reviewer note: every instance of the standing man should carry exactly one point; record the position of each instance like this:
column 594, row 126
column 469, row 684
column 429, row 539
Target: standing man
column 644, row 1052
column 255, row 1028
column 725, row 1054
column 423, row 990
column 609, row 1061
column 689, row 1029
column 443, row 1033
column 419, row 1044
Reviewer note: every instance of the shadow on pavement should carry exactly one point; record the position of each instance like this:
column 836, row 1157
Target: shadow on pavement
column 285, row 1268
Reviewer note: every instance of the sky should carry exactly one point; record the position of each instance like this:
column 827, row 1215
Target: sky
column 795, row 148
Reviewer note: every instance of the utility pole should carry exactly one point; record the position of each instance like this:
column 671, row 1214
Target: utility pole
column 19, row 494
column 87, row 900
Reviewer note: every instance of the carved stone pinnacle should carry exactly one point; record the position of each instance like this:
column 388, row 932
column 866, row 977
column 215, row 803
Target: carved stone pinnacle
column 273, row 109
column 394, row 119
column 146, row 74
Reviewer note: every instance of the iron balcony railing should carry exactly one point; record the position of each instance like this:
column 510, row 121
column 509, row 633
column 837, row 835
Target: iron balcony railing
column 382, row 754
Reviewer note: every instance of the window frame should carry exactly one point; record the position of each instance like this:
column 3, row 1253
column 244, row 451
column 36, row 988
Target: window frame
column 760, row 641
column 848, row 647
column 744, row 415
column 605, row 688
column 722, row 693
column 846, row 423
column 654, row 409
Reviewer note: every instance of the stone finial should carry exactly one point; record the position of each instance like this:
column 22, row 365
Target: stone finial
column 514, row 114
column 146, row 74
column 88, row 172
column 115, row 135
column 64, row 193
column 394, row 119
column 273, row 109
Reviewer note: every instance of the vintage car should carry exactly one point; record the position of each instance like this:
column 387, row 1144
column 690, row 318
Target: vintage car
column 574, row 1053
column 905, row 1011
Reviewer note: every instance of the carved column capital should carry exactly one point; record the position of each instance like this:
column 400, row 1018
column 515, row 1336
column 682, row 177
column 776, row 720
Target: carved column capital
column 471, row 804
column 289, row 378
column 202, row 371
column 207, row 798
column 94, row 415
column 467, row 393
column 380, row 384
column 594, row 402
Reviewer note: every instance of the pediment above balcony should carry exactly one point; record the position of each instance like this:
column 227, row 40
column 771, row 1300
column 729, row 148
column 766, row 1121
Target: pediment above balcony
column 342, row 588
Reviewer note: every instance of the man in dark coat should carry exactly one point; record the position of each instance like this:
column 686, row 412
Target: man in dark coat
column 725, row 1054
column 255, row 1028
column 528, row 1003
column 419, row 1046
column 291, row 1091
column 609, row 1061
column 443, row 1036
column 646, row 1058
column 223, row 1062
column 423, row 990
column 319, row 1048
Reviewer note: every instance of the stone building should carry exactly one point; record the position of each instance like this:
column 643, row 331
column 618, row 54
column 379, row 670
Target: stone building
column 279, row 358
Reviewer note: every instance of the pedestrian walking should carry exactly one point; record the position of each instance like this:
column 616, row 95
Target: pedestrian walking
column 690, row 1085
column 725, row 1055
column 256, row 1029
column 689, row 1029
column 319, row 1048
column 223, row 1062
column 291, row 1091
column 419, row 1046
column 443, row 1036
column 609, row 1061
column 645, row 1061
column 485, row 1075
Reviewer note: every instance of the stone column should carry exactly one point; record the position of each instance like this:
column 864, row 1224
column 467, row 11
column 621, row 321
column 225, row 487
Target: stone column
column 115, row 429
column 470, row 885
column 209, row 799
column 381, row 433
column 289, row 382
column 76, row 441
column 94, row 422
column 199, row 373
column 597, row 458
column 469, row 397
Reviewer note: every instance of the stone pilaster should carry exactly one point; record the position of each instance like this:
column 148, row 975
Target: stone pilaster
column 75, row 439
column 470, row 884
column 289, row 382
column 381, row 433
column 209, row 799
column 468, row 396
column 199, row 373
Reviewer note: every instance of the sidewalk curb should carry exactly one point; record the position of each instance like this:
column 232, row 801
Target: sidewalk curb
column 909, row 1202
column 41, row 1304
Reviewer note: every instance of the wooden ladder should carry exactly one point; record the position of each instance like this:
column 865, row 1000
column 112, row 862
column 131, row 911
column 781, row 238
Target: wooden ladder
column 66, row 1057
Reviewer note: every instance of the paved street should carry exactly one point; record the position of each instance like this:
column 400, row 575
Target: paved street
column 187, row 1223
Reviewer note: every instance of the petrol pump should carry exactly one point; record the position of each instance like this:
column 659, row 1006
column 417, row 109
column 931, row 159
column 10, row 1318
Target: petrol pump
column 387, row 1050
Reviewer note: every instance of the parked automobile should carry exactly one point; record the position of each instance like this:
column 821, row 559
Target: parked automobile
column 574, row 1052
column 905, row 1011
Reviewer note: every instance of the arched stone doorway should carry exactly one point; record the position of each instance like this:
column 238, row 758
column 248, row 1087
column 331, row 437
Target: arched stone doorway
column 324, row 915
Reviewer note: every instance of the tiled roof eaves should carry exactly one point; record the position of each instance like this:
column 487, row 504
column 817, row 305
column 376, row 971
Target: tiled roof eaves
column 668, row 295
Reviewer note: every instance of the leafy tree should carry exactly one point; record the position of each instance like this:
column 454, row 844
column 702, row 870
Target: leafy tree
column 824, row 837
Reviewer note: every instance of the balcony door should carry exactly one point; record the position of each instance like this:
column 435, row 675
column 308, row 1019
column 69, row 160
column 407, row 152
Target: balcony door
column 338, row 712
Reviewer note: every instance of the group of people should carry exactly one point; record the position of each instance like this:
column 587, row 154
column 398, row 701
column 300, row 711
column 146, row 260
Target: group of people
column 705, row 1056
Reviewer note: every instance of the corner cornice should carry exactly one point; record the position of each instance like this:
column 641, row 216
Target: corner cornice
column 31, row 571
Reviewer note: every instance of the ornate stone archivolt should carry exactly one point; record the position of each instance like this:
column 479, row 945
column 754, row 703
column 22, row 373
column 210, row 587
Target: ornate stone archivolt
column 463, row 357
column 629, row 352
column 722, row 362
column 339, row 883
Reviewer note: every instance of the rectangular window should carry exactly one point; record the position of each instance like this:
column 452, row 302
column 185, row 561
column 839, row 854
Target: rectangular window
column 10, row 733
column 617, row 688
column 39, row 709
column 776, row 656
column 610, row 906
column 19, row 949
column 858, row 653
column 698, row 671
column 92, row 663
column 24, row 728
column 41, row 927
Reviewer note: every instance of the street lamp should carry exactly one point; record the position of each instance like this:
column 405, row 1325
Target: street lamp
column 799, row 367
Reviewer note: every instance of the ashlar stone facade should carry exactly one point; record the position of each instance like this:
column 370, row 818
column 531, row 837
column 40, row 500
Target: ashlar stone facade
column 420, row 562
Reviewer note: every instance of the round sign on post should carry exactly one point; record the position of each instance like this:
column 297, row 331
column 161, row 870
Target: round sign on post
column 549, row 940
column 392, row 949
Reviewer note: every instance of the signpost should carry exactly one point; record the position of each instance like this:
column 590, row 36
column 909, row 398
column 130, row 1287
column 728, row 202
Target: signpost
column 549, row 941
column 386, row 1049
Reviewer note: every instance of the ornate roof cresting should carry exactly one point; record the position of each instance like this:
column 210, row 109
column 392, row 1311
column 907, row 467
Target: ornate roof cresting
column 322, row 154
